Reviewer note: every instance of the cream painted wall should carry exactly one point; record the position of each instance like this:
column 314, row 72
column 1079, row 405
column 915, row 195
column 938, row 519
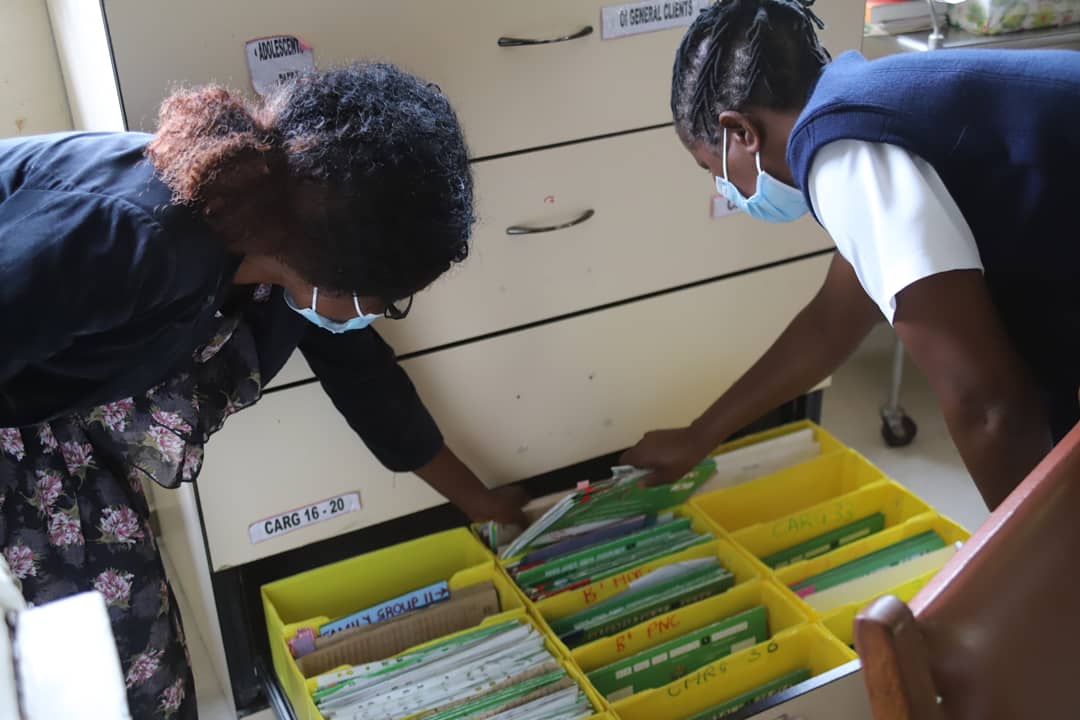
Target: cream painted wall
column 32, row 96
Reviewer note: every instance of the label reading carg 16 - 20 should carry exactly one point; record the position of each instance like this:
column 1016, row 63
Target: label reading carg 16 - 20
column 283, row 523
column 649, row 16
column 277, row 59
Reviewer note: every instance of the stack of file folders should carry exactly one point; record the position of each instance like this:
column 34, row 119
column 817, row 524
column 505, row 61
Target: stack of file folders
column 594, row 506
column 895, row 554
column 663, row 590
column 498, row 672
column 603, row 552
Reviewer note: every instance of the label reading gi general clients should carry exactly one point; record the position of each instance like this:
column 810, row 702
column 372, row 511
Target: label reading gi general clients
column 642, row 17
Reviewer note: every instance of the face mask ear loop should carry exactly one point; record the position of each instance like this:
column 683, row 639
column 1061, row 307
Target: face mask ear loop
column 314, row 299
column 758, row 159
column 723, row 154
column 356, row 304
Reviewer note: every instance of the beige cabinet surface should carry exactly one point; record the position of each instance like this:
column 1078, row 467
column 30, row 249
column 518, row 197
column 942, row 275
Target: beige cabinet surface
column 509, row 98
column 512, row 406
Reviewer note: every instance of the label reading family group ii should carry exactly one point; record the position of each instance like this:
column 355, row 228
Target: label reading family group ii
column 288, row 521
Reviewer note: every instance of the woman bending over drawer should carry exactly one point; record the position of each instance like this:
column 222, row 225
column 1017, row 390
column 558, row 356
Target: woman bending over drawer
column 150, row 286
column 947, row 181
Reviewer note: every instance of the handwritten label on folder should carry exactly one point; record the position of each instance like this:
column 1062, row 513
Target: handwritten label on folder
column 603, row 589
column 656, row 630
column 718, row 670
column 840, row 513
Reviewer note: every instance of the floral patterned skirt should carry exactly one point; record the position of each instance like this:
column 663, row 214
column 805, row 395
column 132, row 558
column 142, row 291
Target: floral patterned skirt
column 73, row 516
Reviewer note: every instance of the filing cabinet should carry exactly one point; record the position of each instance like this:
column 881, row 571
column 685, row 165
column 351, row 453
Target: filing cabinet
column 546, row 347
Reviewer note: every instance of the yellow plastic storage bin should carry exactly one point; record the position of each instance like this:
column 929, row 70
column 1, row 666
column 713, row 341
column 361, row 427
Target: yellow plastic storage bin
column 841, row 621
column 783, row 613
column 740, row 461
column 737, row 561
column 563, row 604
column 785, row 492
column 809, row 646
column 598, row 704
column 312, row 598
column 949, row 531
column 886, row 497
column 825, row 439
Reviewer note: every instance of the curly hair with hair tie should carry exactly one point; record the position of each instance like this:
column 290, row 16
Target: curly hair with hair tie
column 744, row 53
column 367, row 165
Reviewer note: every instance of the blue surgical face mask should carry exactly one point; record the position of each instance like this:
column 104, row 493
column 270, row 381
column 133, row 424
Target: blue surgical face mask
column 774, row 201
column 359, row 322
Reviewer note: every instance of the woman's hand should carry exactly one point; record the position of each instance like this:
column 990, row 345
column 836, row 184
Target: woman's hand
column 458, row 484
column 502, row 505
column 670, row 454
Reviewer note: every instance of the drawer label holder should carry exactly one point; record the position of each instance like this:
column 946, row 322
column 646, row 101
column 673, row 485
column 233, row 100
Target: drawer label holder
column 277, row 59
column 290, row 520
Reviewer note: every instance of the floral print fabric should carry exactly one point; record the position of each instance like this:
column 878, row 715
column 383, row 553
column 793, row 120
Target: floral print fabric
column 73, row 516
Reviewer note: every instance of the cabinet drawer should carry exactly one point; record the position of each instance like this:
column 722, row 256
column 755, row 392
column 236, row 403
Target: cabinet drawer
column 508, row 98
column 512, row 407
column 651, row 230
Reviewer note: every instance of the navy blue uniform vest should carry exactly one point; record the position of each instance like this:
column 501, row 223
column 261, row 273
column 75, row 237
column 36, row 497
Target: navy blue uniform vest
column 1002, row 130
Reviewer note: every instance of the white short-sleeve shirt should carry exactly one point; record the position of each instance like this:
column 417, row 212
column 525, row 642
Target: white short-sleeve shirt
column 890, row 216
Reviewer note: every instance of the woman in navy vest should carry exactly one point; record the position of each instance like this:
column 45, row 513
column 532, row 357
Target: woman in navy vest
column 946, row 180
column 150, row 287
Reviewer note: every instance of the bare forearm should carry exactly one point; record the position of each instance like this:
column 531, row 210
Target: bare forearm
column 990, row 400
column 452, row 479
column 804, row 355
column 816, row 342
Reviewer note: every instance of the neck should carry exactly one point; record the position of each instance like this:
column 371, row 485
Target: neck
column 259, row 270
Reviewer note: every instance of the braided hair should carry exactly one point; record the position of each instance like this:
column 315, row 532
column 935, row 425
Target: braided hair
column 742, row 53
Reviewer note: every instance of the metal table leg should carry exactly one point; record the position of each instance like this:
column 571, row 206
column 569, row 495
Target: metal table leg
column 897, row 429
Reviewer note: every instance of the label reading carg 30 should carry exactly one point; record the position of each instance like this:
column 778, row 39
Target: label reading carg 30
column 284, row 523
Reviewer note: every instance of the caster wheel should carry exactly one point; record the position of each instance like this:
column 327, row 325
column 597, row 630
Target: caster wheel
column 899, row 432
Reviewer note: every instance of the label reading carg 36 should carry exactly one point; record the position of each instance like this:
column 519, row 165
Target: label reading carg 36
column 642, row 17
column 284, row 523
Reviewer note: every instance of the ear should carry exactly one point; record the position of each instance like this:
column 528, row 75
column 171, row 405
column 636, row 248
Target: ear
column 742, row 130
column 246, row 204
column 244, row 170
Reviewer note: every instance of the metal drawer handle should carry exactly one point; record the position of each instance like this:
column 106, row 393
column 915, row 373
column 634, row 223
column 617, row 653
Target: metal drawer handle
column 526, row 230
column 520, row 42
